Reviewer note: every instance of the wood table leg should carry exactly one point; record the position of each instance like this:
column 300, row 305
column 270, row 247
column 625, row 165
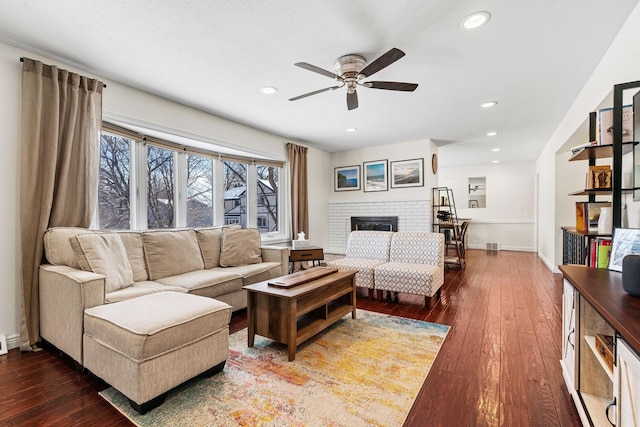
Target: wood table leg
column 292, row 328
column 251, row 318
column 353, row 296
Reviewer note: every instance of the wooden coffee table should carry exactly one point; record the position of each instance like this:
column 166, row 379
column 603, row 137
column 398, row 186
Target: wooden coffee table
column 293, row 308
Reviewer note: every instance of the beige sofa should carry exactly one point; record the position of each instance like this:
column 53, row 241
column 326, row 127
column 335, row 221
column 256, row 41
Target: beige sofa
column 409, row 262
column 87, row 268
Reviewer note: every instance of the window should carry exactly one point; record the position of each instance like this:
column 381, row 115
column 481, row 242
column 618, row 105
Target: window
column 114, row 201
column 199, row 191
column 160, row 187
column 235, row 192
column 151, row 183
column 267, row 186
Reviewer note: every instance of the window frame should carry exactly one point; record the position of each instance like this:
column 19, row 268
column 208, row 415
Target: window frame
column 138, row 181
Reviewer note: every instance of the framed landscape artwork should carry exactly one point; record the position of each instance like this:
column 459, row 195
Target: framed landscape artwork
column 376, row 175
column 347, row 178
column 626, row 241
column 407, row 173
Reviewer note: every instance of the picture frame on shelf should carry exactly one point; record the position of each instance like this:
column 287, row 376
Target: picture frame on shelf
column 626, row 241
column 376, row 175
column 407, row 173
column 347, row 178
column 605, row 125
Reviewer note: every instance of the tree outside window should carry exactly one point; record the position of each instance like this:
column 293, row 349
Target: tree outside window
column 114, row 201
column 160, row 188
column 199, row 191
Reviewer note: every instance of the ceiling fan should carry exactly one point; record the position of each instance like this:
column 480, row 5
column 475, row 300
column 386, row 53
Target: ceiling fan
column 352, row 70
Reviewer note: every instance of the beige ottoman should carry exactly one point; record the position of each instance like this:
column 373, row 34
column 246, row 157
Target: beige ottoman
column 148, row 345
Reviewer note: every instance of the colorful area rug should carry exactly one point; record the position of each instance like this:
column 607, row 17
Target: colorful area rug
column 358, row 372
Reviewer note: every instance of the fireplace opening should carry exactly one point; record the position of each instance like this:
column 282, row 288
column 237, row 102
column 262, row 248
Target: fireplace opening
column 378, row 223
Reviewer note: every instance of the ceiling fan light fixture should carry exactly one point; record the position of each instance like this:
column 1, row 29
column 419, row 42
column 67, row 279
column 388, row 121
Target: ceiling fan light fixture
column 475, row 20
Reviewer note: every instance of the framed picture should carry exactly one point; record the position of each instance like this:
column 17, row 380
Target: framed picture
column 626, row 241
column 347, row 178
column 407, row 173
column 473, row 204
column 376, row 175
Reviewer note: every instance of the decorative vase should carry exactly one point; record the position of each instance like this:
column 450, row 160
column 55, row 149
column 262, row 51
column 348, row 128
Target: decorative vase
column 605, row 221
column 631, row 275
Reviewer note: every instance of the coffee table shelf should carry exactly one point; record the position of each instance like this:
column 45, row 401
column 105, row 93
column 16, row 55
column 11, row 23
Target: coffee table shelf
column 293, row 315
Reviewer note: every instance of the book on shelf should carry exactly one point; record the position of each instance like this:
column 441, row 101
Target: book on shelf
column 599, row 252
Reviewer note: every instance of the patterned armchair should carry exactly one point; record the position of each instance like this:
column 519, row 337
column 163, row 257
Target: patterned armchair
column 365, row 251
column 416, row 265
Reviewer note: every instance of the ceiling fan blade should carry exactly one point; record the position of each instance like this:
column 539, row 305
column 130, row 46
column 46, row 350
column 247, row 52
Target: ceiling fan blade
column 314, row 92
column 352, row 100
column 406, row 87
column 384, row 61
column 318, row 70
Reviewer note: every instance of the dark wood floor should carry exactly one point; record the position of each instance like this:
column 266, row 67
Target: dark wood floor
column 499, row 365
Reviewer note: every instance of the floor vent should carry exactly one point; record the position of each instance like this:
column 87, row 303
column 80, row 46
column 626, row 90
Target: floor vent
column 493, row 246
column 3, row 344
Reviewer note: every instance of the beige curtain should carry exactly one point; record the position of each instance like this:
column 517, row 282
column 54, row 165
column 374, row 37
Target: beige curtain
column 299, row 193
column 61, row 117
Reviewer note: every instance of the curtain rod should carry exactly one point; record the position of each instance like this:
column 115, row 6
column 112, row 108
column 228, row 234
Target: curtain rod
column 22, row 60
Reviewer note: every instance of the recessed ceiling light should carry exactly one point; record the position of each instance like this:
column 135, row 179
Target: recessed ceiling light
column 496, row 161
column 495, row 149
column 492, row 133
column 475, row 20
column 489, row 104
column 352, row 129
column 268, row 90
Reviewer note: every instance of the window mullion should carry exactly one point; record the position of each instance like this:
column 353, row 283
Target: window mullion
column 139, row 174
column 252, row 195
column 180, row 199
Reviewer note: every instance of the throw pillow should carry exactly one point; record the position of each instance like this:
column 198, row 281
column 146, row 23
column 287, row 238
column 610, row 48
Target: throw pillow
column 104, row 254
column 240, row 246
column 210, row 241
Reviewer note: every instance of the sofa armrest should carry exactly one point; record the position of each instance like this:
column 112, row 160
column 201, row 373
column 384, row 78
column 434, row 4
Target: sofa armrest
column 276, row 254
column 65, row 293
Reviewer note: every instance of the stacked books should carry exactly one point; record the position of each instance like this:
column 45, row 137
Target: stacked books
column 600, row 252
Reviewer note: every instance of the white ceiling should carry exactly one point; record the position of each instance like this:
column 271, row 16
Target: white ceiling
column 533, row 57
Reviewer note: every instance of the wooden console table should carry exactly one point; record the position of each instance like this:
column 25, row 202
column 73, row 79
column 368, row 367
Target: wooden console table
column 594, row 303
column 293, row 315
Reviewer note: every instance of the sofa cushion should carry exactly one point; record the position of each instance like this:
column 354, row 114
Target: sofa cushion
column 132, row 241
column 57, row 248
column 254, row 273
column 240, row 246
column 104, row 254
column 139, row 289
column 169, row 253
column 210, row 241
column 201, row 279
column 365, row 268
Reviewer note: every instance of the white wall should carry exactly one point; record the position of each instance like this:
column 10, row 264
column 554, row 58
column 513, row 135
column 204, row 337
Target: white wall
column 127, row 103
column 620, row 64
column 509, row 218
